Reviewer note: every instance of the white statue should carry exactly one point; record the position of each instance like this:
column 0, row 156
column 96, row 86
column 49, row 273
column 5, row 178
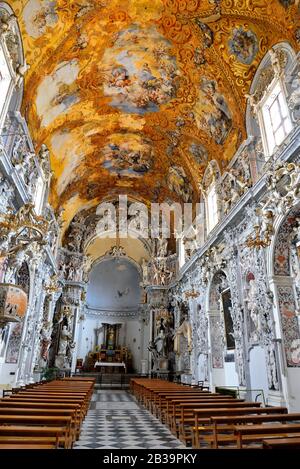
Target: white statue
column 184, row 329
column 251, row 301
column 155, row 272
column 162, row 247
column 65, row 336
column 71, row 272
column 271, row 368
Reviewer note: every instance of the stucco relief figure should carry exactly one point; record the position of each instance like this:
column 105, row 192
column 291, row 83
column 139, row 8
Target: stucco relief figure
column 251, row 301
column 155, row 356
column 45, row 343
column 145, row 270
column 159, row 342
column 184, row 329
column 162, row 246
column 271, row 369
column 65, row 336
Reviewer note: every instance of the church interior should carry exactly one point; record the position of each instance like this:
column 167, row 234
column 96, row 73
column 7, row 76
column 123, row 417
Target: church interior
column 149, row 224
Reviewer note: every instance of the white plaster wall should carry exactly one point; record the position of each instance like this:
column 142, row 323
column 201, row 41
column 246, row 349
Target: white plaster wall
column 86, row 336
column 294, row 389
column 114, row 286
column 258, row 371
column 218, row 376
column 231, row 377
column 7, row 379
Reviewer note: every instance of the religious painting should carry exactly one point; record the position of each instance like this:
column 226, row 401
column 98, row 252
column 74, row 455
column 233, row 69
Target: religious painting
column 140, row 73
column 199, row 153
column 211, row 111
column 287, row 3
column 207, row 34
column 131, row 157
column 39, row 15
column 179, row 183
column 229, row 332
column 243, row 45
column 13, row 348
column 57, row 92
column 289, row 323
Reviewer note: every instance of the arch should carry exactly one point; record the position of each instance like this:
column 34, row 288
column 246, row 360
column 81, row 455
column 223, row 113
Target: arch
column 280, row 269
column 126, row 258
column 222, row 337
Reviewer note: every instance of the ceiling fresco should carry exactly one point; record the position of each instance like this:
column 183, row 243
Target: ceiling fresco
column 137, row 96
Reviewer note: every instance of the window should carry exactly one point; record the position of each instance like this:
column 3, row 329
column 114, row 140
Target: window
column 276, row 119
column 5, row 80
column 212, row 208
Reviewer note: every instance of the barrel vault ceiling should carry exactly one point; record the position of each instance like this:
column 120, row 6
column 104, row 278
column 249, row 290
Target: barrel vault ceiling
column 137, row 96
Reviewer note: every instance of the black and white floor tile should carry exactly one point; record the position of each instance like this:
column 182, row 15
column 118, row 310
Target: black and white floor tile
column 116, row 421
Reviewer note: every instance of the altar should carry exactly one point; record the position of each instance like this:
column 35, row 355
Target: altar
column 110, row 364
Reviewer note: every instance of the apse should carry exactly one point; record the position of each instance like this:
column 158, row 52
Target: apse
column 114, row 284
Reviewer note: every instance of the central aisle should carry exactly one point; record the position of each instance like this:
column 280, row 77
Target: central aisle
column 116, row 421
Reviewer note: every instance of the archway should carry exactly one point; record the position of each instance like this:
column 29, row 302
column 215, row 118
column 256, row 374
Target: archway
column 112, row 329
column 284, row 257
column 221, row 332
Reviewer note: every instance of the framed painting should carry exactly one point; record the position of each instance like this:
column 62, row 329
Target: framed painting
column 229, row 333
column 14, row 343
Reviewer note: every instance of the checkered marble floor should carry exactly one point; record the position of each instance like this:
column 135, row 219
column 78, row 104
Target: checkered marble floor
column 116, row 421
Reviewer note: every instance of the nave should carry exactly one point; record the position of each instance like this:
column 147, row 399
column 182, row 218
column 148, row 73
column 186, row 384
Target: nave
column 116, row 421
column 149, row 219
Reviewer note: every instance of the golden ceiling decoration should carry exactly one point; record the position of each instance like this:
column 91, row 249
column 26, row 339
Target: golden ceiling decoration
column 137, row 96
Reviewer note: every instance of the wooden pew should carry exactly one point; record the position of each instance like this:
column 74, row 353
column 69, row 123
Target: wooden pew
column 25, row 446
column 61, row 404
column 227, row 424
column 75, row 421
column 174, row 408
column 161, row 401
column 189, row 410
column 256, row 433
column 42, row 421
column 201, row 416
column 10, row 403
column 282, row 443
column 35, row 431
column 36, row 440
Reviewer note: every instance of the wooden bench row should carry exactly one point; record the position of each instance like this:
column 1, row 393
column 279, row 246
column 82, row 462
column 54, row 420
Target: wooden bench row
column 211, row 420
column 47, row 414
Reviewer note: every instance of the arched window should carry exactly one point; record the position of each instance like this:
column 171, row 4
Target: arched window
column 12, row 63
column 5, row 81
column 274, row 117
column 212, row 207
column 268, row 114
column 210, row 192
